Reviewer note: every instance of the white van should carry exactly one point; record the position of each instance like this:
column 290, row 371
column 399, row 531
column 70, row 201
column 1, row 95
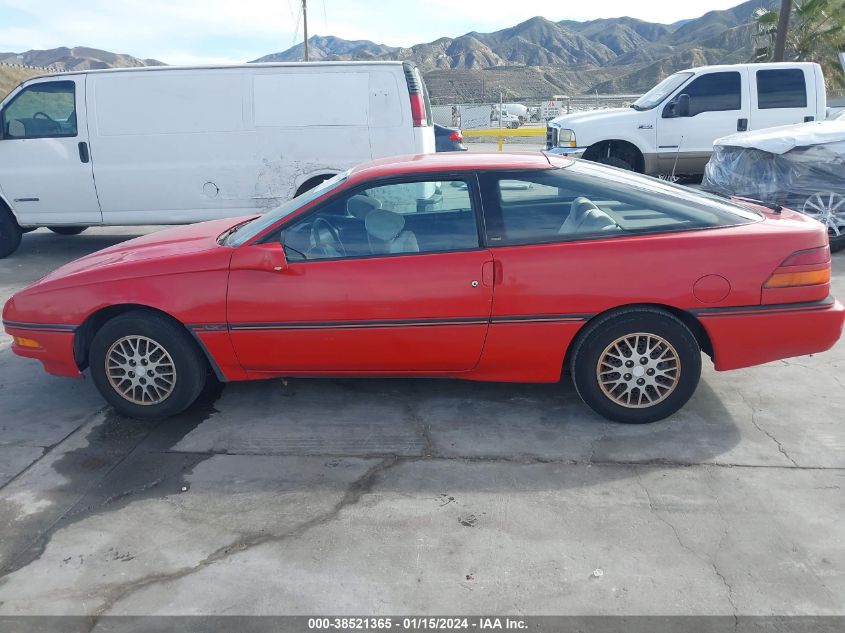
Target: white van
column 671, row 128
column 173, row 145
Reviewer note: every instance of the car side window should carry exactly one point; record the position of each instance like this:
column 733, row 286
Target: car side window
column 392, row 219
column 585, row 202
column 42, row 110
column 715, row 92
column 781, row 88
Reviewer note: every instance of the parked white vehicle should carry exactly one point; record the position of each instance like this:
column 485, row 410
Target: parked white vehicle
column 509, row 119
column 671, row 129
column 170, row 145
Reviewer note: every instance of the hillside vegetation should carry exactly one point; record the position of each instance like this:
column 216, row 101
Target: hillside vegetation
column 11, row 76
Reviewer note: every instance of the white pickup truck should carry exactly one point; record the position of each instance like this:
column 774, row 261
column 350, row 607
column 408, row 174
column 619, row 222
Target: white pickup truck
column 671, row 128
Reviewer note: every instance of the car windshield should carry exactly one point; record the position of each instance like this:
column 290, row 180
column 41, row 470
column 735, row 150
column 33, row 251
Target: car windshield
column 662, row 90
column 245, row 232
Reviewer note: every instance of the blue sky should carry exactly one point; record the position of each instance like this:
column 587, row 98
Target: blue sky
column 207, row 31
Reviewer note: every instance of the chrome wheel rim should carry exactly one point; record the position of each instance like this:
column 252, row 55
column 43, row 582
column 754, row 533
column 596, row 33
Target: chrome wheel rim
column 638, row 370
column 828, row 207
column 140, row 370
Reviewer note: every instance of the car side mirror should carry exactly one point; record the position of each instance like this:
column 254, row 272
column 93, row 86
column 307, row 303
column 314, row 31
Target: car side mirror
column 682, row 108
column 268, row 257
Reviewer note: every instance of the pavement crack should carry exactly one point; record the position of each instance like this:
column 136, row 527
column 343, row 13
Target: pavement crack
column 353, row 494
column 709, row 561
column 765, row 432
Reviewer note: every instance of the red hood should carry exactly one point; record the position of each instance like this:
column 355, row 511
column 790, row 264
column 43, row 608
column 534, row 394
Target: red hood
column 172, row 249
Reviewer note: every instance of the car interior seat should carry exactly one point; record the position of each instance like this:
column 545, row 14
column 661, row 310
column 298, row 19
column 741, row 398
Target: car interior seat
column 359, row 206
column 386, row 234
column 586, row 217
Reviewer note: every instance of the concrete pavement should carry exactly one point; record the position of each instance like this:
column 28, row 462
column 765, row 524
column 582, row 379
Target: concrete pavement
column 415, row 496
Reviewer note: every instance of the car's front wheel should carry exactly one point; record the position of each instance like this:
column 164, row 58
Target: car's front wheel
column 146, row 366
column 636, row 366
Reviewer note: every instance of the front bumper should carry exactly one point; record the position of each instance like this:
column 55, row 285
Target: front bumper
column 571, row 152
column 55, row 349
column 744, row 337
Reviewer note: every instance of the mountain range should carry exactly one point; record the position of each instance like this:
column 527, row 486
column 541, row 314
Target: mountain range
column 534, row 59
column 539, row 57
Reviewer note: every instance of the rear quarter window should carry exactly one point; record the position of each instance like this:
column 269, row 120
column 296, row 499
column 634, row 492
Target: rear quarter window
column 588, row 201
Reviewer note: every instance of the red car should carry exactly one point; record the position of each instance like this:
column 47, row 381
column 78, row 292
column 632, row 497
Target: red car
column 485, row 267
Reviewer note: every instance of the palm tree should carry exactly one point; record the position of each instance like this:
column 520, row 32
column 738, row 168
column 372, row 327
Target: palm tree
column 817, row 34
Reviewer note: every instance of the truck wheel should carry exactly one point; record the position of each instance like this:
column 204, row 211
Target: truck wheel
column 10, row 234
column 636, row 366
column 67, row 230
column 615, row 161
column 147, row 366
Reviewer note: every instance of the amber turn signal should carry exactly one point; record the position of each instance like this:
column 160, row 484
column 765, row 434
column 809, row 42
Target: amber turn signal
column 20, row 341
column 806, row 278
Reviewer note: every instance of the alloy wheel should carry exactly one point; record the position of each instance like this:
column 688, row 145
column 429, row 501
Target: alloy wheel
column 828, row 207
column 638, row 370
column 140, row 370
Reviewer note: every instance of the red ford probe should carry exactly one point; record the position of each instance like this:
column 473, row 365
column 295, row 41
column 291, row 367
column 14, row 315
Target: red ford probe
column 484, row 267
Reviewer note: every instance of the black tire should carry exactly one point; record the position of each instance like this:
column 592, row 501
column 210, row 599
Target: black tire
column 191, row 367
column 601, row 333
column 67, row 230
column 10, row 233
column 308, row 185
column 837, row 242
column 615, row 161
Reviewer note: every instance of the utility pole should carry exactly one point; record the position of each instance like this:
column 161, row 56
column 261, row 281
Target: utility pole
column 783, row 26
column 305, row 26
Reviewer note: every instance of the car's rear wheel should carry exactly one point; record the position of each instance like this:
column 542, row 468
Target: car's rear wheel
column 67, row 230
column 636, row 366
column 828, row 207
column 146, row 366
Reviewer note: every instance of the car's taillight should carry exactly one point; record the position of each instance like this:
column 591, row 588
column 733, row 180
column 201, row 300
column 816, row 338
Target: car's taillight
column 820, row 255
column 803, row 268
column 418, row 109
column 456, row 136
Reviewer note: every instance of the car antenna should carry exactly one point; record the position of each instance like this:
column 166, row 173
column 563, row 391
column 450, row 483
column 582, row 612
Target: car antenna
column 677, row 154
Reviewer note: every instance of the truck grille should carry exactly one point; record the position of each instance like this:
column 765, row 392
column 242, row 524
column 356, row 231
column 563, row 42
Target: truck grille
column 551, row 137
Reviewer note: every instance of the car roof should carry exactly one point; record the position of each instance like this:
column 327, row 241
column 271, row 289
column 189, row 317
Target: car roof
column 456, row 161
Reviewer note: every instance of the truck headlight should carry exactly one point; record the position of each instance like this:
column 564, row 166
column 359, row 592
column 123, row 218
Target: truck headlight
column 566, row 138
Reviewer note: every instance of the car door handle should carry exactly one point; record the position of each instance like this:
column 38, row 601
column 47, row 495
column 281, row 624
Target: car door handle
column 741, row 125
column 807, row 119
column 84, row 155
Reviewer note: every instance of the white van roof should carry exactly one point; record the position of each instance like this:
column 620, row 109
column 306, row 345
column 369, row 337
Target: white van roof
column 220, row 67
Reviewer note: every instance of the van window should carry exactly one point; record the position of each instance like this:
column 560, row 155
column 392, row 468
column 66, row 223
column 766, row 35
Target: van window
column 715, row 92
column 781, row 88
column 588, row 201
column 42, row 110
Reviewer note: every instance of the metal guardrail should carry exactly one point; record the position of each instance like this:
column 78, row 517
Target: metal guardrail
column 47, row 68
column 501, row 133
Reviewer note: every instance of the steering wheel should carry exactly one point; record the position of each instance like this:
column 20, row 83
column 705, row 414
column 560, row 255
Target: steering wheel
column 44, row 115
column 320, row 228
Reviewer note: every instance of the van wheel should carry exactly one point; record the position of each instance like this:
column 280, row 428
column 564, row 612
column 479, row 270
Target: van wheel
column 67, row 230
column 10, row 234
column 308, row 185
column 146, row 366
column 636, row 366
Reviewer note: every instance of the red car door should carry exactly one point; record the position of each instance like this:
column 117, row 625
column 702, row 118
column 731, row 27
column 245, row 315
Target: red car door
column 385, row 279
